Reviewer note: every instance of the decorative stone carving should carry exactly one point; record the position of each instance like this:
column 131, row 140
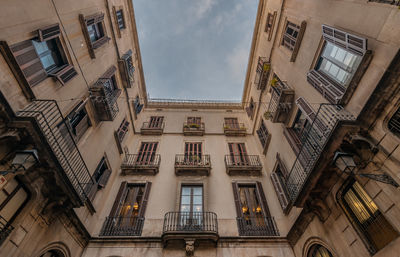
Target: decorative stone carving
column 189, row 247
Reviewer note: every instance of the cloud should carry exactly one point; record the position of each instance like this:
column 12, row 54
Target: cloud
column 202, row 7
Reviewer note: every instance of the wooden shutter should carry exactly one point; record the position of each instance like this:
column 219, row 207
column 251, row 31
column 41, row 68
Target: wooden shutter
column 65, row 74
column 123, row 189
column 29, row 62
column 147, row 153
column 271, row 25
column 82, row 126
column 332, row 91
column 343, row 39
column 104, row 178
column 48, row 32
column 299, row 38
column 114, row 10
column 145, row 200
column 279, row 189
column 306, row 108
column 91, row 190
column 109, row 73
column 90, row 20
column 292, row 139
column 127, row 69
column 262, row 198
column 236, row 198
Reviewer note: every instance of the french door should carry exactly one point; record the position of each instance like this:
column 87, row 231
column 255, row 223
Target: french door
column 191, row 207
column 232, row 123
column 147, row 153
column 238, row 154
column 193, row 153
column 156, row 121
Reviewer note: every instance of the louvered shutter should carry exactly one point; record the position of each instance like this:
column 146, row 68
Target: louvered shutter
column 88, row 21
column 333, row 92
column 116, row 21
column 236, row 198
column 341, row 38
column 127, row 69
column 65, row 74
column 90, row 191
column 48, row 32
column 145, row 200
column 306, row 108
column 261, row 194
column 82, row 126
column 29, row 62
column 123, row 189
column 282, row 197
column 292, row 139
column 66, row 141
column 299, row 38
column 104, row 178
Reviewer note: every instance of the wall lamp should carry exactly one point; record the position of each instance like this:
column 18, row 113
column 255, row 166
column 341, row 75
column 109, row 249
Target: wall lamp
column 345, row 163
column 22, row 161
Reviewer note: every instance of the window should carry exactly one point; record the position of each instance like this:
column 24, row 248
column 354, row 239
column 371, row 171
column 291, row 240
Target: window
column 38, row 58
column 238, row 154
column 147, row 153
column 121, row 133
column 232, row 123
column 100, row 176
column 394, row 123
column 156, row 122
column 194, row 121
column 253, row 215
column 127, row 69
column 263, row 135
column 278, row 178
column 93, row 29
column 79, row 121
column 340, row 59
column 318, row 250
column 193, row 153
column 292, row 36
column 191, row 199
column 136, row 104
column 301, row 125
column 365, row 216
column 120, row 19
column 262, row 73
column 269, row 27
column 250, row 108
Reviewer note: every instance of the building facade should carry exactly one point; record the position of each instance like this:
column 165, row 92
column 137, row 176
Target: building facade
column 306, row 165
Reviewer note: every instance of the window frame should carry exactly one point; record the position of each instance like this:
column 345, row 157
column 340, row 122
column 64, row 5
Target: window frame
column 263, row 138
column 300, row 30
column 97, row 20
column 81, row 106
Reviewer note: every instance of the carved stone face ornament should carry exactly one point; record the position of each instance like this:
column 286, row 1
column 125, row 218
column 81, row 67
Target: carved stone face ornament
column 189, row 247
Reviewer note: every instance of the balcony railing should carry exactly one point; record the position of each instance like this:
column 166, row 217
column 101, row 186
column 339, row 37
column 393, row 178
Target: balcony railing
column 238, row 129
column 192, row 164
column 392, row 2
column 257, row 226
column 243, row 164
column 141, row 164
column 149, row 128
column 105, row 102
column 262, row 73
column 193, row 129
column 122, row 226
column 5, row 229
column 313, row 143
column 56, row 134
column 281, row 102
column 196, row 222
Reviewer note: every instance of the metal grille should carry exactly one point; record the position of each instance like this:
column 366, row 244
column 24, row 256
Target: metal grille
column 394, row 123
column 242, row 160
column 122, row 226
column 190, row 222
column 49, row 118
column 5, row 229
column 199, row 160
column 145, row 160
column 314, row 141
column 257, row 226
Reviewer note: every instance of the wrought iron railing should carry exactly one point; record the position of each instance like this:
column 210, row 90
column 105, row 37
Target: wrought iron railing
column 122, row 226
column 244, row 160
column 52, row 125
column 152, row 125
column 262, row 73
column 192, row 160
column 257, row 226
column 190, row 222
column 392, row 2
column 313, row 143
column 234, row 127
column 106, row 105
column 190, row 126
column 5, row 229
column 281, row 100
column 141, row 160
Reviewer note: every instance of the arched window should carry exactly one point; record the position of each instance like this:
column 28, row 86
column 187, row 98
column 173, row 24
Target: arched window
column 394, row 123
column 365, row 216
column 318, row 250
column 53, row 253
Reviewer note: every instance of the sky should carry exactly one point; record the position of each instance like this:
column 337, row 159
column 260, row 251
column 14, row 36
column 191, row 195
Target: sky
column 195, row 49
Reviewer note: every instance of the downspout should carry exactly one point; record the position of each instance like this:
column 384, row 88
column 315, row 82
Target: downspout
column 119, row 57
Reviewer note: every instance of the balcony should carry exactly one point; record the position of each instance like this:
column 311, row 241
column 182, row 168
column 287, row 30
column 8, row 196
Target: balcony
column 179, row 227
column 193, row 129
column 237, row 165
column 5, row 229
column 257, row 226
column 122, row 226
column 238, row 129
column 104, row 101
column 280, row 105
column 262, row 73
column 141, row 164
column 186, row 165
column 149, row 128
column 57, row 139
column 316, row 150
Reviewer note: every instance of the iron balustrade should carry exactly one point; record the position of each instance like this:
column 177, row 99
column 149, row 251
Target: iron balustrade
column 257, row 226
column 122, row 226
column 193, row 126
column 312, row 144
column 150, row 125
column 192, row 160
column 242, row 160
column 5, row 229
column 262, row 73
column 234, row 126
column 52, row 125
column 141, row 160
column 190, row 222
column 282, row 97
column 105, row 103
column 392, row 2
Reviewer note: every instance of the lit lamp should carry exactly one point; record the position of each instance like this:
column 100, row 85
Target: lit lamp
column 344, row 162
column 22, row 161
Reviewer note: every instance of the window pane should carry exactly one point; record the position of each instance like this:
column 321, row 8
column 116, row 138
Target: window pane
column 186, row 190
